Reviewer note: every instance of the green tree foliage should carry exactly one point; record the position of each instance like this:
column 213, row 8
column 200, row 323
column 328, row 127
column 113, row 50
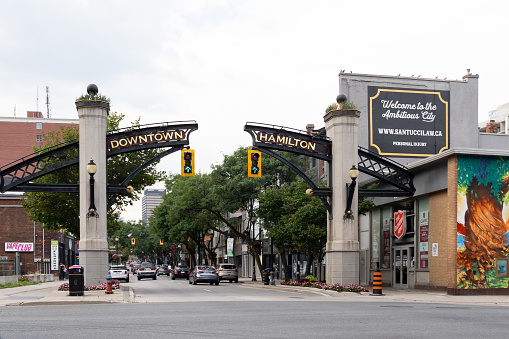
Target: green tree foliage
column 294, row 220
column 146, row 242
column 61, row 210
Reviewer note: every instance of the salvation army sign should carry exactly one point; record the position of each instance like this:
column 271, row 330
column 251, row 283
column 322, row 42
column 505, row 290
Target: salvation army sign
column 408, row 122
column 399, row 224
column 19, row 247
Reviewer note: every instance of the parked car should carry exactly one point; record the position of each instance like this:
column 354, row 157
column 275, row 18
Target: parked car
column 163, row 270
column 119, row 272
column 228, row 272
column 147, row 270
column 205, row 274
column 180, row 272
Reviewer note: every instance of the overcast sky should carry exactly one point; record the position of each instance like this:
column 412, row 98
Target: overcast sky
column 224, row 63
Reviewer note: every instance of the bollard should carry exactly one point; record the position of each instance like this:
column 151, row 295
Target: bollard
column 377, row 282
column 109, row 283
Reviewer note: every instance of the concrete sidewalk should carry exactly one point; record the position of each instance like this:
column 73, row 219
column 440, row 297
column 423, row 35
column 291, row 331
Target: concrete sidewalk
column 390, row 294
column 47, row 293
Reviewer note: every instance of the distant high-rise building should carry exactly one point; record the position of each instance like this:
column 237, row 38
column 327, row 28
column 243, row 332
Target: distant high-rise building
column 151, row 199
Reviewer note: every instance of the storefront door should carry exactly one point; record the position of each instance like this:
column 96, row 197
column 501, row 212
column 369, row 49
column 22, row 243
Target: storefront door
column 402, row 258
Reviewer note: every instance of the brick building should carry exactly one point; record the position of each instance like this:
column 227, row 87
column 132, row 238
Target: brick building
column 18, row 136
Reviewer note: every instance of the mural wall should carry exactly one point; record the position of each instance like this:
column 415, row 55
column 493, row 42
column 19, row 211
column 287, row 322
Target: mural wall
column 482, row 222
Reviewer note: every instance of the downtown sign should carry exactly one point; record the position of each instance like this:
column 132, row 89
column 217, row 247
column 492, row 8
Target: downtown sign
column 408, row 122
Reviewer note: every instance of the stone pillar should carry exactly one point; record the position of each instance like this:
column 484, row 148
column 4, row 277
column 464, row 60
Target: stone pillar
column 342, row 249
column 93, row 245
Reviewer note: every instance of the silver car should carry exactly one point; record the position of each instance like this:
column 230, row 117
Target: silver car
column 147, row 270
column 228, row 272
column 206, row 274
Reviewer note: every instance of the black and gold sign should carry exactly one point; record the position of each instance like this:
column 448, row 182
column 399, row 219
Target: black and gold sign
column 408, row 122
column 284, row 139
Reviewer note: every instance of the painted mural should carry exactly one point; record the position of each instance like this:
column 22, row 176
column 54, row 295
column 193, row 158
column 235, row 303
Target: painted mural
column 482, row 222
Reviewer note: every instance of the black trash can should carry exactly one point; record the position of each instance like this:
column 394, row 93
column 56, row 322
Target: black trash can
column 76, row 280
column 266, row 276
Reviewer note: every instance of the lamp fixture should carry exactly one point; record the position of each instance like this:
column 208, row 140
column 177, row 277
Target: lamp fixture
column 92, row 169
column 350, row 190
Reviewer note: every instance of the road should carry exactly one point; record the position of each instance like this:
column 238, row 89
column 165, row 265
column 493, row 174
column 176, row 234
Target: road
column 175, row 309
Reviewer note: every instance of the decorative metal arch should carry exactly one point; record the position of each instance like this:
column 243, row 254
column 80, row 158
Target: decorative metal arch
column 16, row 175
column 317, row 145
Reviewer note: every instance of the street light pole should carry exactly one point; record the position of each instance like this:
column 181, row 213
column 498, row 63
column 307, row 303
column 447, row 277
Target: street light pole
column 253, row 221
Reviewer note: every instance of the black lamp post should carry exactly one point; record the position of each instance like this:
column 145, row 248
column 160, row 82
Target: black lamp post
column 354, row 174
column 92, row 169
column 116, row 239
column 253, row 221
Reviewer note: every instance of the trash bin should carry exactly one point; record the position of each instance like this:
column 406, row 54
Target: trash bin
column 76, row 280
column 266, row 276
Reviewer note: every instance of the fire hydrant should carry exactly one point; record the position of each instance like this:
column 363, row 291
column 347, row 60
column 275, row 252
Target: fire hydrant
column 109, row 284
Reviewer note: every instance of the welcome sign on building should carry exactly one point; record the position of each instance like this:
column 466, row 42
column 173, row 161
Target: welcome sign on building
column 408, row 122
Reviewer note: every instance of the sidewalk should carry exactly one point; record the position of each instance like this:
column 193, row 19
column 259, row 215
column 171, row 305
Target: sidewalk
column 47, row 293
column 390, row 294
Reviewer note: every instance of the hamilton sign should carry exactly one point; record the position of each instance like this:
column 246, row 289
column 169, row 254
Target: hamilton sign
column 284, row 139
column 408, row 122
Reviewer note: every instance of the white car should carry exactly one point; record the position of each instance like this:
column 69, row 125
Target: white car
column 119, row 272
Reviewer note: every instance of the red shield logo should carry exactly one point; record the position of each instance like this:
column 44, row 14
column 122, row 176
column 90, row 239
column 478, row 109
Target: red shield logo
column 399, row 224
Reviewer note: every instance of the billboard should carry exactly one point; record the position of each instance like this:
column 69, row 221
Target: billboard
column 408, row 122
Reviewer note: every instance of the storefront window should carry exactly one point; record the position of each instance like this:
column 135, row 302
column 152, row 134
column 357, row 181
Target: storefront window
column 423, row 238
column 375, row 238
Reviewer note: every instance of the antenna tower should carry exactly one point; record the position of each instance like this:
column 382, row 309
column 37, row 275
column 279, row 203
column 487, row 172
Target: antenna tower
column 48, row 114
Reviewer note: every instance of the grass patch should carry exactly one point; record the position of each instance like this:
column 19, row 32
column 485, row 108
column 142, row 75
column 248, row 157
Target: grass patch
column 18, row 284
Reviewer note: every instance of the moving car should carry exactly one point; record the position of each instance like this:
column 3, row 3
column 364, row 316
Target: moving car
column 180, row 272
column 163, row 270
column 134, row 268
column 228, row 272
column 206, row 274
column 119, row 272
column 147, row 270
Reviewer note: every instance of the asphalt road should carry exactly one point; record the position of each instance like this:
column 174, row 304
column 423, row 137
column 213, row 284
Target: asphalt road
column 175, row 309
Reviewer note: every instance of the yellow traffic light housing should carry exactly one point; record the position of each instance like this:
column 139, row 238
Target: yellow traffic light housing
column 133, row 241
column 254, row 159
column 161, row 242
column 187, row 162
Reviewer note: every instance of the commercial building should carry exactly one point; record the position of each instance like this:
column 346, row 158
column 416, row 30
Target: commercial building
column 151, row 199
column 451, row 234
column 21, row 239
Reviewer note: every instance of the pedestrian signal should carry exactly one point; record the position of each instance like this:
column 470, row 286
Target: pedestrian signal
column 133, row 241
column 254, row 159
column 187, row 162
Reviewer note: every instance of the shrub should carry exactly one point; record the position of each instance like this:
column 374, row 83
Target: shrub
column 321, row 285
column 103, row 286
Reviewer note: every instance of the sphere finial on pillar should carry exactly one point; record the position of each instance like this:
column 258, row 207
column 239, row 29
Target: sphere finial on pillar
column 341, row 99
column 92, row 89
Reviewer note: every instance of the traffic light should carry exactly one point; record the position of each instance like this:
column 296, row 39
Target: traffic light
column 133, row 241
column 161, row 242
column 131, row 250
column 254, row 159
column 187, row 162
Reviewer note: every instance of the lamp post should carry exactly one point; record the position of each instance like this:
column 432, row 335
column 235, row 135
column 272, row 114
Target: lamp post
column 253, row 221
column 116, row 239
column 92, row 169
column 354, row 174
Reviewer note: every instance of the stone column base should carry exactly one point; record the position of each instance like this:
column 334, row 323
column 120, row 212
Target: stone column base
column 95, row 263
column 342, row 267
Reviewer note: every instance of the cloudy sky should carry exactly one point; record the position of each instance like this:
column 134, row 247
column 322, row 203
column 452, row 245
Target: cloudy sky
column 224, row 63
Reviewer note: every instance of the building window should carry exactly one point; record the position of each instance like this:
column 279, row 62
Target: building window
column 38, row 125
column 38, row 138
